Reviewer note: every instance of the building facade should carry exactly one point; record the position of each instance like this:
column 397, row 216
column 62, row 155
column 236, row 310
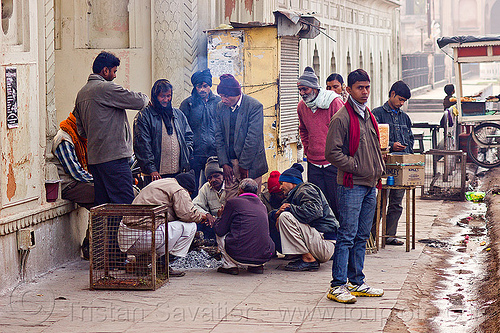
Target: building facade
column 47, row 49
column 424, row 21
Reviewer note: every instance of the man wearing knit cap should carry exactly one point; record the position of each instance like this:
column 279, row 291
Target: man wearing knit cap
column 315, row 110
column 305, row 222
column 239, row 135
column 199, row 109
column 273, row 196
column 353, row 146
column 212, row 195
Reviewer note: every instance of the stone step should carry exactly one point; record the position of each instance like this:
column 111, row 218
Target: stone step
column 425, row 105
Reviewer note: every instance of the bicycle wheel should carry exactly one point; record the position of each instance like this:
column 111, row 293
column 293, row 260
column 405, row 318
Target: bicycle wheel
column 487, row 134
column 483, row 145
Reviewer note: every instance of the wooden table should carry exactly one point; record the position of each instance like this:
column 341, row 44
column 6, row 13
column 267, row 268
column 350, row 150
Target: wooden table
column 382, row 197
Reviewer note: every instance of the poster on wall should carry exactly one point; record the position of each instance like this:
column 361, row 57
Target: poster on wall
column 11, row 92
column 225, row 53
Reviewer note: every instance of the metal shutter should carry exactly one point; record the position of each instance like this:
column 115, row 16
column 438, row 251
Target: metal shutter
column 288, row 93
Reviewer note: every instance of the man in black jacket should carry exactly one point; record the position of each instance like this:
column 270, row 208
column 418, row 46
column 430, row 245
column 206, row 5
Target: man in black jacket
column 305, row 222
column 163, row 140
column 199, row 109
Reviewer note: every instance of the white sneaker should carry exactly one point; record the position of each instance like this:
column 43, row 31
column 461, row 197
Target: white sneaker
column 364, row 290
column 341, row 294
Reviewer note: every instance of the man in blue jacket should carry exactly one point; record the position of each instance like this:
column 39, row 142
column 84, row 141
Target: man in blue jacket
column 400, row 140
column 199, row 109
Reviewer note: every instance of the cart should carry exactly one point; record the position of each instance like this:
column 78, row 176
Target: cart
column 481, row 115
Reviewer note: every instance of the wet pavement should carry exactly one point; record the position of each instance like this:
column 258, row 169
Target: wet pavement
column 207, row 301
column 457, row 298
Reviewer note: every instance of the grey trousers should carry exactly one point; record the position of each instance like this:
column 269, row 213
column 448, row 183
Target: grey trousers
column 232, row 189
column 300, row 238
column 227, row 261
column 394, row 211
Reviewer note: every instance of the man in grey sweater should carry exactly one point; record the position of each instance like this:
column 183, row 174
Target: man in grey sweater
column 101, row 118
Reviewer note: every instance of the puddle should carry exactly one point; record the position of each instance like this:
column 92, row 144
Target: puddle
column 456, row 296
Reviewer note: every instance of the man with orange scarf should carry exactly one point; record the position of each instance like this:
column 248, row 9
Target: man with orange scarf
column 71, row 152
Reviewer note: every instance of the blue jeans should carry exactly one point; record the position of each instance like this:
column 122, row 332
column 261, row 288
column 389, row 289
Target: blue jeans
column 357, row 208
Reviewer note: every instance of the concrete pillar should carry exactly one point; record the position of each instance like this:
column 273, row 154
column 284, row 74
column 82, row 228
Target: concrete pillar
column 175, row 44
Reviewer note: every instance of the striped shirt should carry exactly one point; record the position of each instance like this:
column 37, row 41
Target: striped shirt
column 65, row 152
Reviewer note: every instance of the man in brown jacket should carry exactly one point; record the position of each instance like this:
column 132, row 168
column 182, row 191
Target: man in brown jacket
column 352, row 145
column 134, row 235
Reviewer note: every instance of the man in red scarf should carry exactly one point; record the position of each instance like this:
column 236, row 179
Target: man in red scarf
column 71, row 152
column 352, row 145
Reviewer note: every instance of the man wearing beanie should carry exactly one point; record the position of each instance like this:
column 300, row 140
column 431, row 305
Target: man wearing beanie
column 239, row 135
column 212, row 195
column 199, row 109
column 134, row 236
column 305, row 222
column 272, row 199
column 273, row 196
column 353, row 146
column 315, row 110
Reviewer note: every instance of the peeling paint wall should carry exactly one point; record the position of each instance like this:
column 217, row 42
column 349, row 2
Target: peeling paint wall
column 28, row 46
column 21, row 152
column 78, row 42
column 252, row 56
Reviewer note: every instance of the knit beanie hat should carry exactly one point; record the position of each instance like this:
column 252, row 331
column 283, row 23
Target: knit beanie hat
column 293, row 175
column 187, row 181
column 212, row 166
column 273, row 183
column 229, row 86
column 202, row 76
column 308, row 79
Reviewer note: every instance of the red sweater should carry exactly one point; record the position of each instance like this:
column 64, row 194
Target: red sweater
column 313, row 128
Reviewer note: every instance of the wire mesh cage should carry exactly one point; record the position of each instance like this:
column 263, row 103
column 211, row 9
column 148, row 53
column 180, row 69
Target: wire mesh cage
column 445, row 175
column 128, row 247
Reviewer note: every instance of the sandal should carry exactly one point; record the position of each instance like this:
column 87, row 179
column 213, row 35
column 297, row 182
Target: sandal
column 394, row 241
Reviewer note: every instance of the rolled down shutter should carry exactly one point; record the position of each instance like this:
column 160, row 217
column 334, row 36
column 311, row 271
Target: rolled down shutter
column 288, row 93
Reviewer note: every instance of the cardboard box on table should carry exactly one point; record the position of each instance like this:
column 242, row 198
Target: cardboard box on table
column 407, row 169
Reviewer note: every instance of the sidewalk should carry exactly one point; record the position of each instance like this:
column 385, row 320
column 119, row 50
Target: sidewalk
column 207, row 301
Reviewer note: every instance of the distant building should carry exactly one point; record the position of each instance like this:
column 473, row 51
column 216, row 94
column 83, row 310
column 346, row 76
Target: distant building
column 424, row 21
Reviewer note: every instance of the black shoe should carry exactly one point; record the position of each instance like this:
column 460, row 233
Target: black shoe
column 85, row 248
column 117, row 260
column 300, row 266
column 231, row 271
column 256, row 269
column 291, row 257
column 394, row 241
column 172, row 258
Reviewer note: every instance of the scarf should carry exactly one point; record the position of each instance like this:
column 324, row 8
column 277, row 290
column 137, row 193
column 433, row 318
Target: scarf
column 323, row 100
column 354, row 136
column 80, row 143
column 167, row 114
